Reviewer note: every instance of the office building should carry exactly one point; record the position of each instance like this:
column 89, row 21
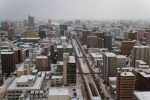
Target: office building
column 108, row 41
column 69, row 69
column 121, row 61
column 140, row 53
column 24, row 84
column 42, row 63
column 8, row 62
column 30, row 22
column 109, row 68
column 125, row 85
column 126, row 47
column 92, row 42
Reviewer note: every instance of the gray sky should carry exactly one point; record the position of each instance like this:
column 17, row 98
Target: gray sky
column 75, row 9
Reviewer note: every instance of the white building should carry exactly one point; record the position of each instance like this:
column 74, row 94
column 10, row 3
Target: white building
column 58, row 94
column 121, row 61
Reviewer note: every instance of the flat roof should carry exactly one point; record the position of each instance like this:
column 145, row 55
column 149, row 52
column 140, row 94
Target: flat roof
column 7, row 52
column 98, row 55
column 41, row 57
column 36, row 86
column 71, row 59
column 110, row 54
column 56, row 77
column 58, row 91
column 141, row 62
column 127, row 74
column 25, row 78
column 144, row 95
column 121, row 56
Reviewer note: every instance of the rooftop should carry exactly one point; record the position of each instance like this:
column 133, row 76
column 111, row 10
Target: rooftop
column 41, row 57
column 145, row 95
column 36, row 86
column 72, row 59
column 127, row 74
column 58, row 91
column 110, row 54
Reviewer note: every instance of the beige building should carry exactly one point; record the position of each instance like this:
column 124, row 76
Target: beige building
column 42, row 63
column 121, row 61
column 109, row 68
column 92, row 41
column 140, row 53
column 125, row 85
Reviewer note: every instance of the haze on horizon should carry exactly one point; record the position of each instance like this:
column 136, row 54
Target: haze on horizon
column 75, row 9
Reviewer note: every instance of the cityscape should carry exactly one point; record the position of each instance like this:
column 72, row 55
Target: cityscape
column 74, row 58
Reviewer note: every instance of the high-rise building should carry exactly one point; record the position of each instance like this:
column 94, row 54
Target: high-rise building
column 140, row 53
column 69, row 69
column 92, row 41
column 85, row 33
column 30, row 21
column 142, row 79
column 125, row 85
column 8, row 62
column 121, row 61
column 108, row 41
column 109, row 68
column 100, row 43
column 126, row 47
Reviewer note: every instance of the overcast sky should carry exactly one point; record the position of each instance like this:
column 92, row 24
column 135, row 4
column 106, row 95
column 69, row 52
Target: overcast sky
column 75, row 9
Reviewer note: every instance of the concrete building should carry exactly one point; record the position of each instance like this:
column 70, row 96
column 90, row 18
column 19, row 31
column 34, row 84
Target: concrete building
column 24, row 84
column 108, row 41
column 126, row 47
column 57, row 81
column 125, row 85
column 121, row 61
column 42, row 63
column 140, row 53
column 141, row 95
column 85, row 33
column 59, row 94
column 142, row 79
column 30, row 21
column 62, row 48
column 8, row 62
column 69, row 69
column 109, row 68
column 92, row 41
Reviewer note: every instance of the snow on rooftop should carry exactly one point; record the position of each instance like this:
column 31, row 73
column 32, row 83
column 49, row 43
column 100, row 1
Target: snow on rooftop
column 121, row 56
column 110, row 54
column 72, row 59
column 145, row 95
column 98, row 55
column 41, row 57
column 127, row 74
column 7, row 52
column 58, row 91
column 36, row 86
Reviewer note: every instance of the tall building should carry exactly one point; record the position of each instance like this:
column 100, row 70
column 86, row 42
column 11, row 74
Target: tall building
column 69, row 69
column 140, row 53
column 142, row 79
column 125, row 85
column 108, row 41
column 30, row 21
column 121, row 61
column 109, row 65
column 8, row 62
column 92, row 41
column 100, row 43
column 126, row 47
column 42, row 63
column 85, row 33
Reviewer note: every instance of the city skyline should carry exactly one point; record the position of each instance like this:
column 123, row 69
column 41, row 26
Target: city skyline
column 75, row 9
